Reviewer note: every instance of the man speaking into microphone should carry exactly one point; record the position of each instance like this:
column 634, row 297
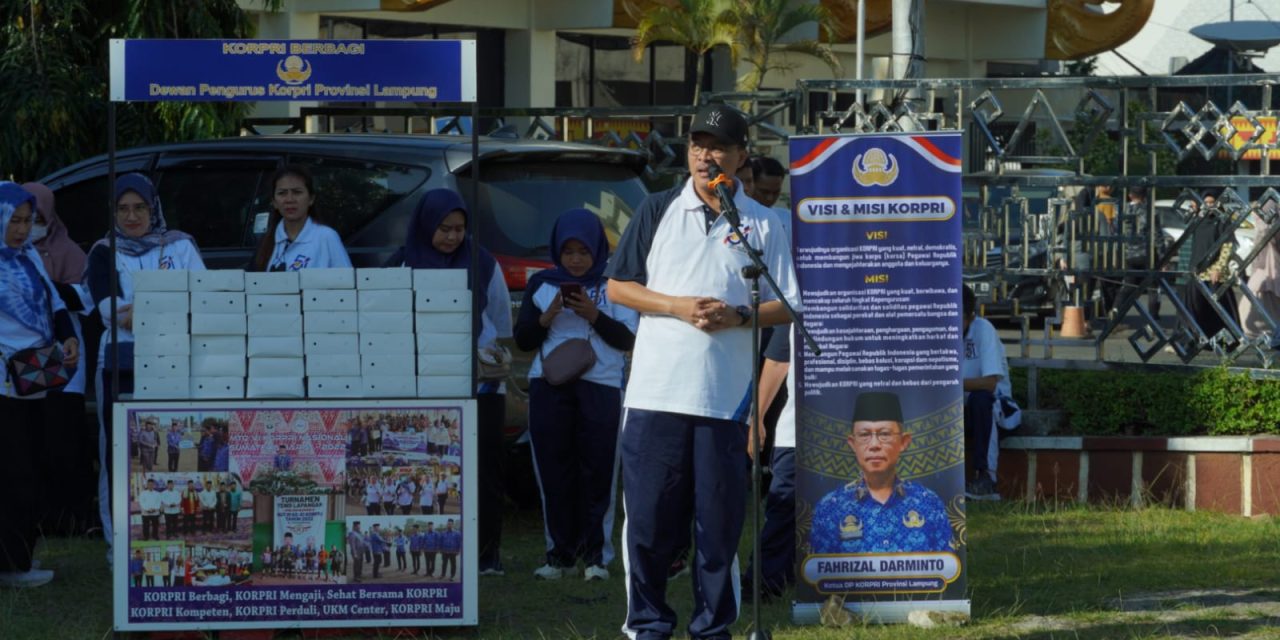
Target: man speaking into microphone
column 684, row 438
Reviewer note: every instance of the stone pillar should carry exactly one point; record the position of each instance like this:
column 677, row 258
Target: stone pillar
column 290, row 26
column 529, row 72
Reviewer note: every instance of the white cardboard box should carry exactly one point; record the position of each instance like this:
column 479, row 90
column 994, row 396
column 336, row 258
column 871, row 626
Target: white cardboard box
column 444, row 343
column 217, row 302
column 275, row 324
column 383, row 365
column 281, row 387
column 166, row 345
column 425, row 279
column 386, row 300
column 442, row 300
column 152, row 323
column 335, row 386
column 442, row 322
column 328, row 300
column 273, row 303
column 217, row 280
column 271, row 282
column 386, row 322
column 161, row 301
column 393, row 278
column 444, row 386
column 217, row 345
column 275, row 346
column 211, row 365
column 218, row 324
column 327, row 279
column 330, row 322
column 276, row 368
column 333, row 365
column 386, row 344
column 217, row 387
column 161, row 366
column 444, row 365
column 160, row 280
column 389, row 386
column 333, row 344
column 165, row 388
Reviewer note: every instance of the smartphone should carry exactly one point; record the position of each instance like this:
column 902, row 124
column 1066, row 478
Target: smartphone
column 570, row 289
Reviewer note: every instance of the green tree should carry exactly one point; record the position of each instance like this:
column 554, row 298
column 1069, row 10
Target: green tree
column 697, row 25
column 763, row 24
column 54, row 68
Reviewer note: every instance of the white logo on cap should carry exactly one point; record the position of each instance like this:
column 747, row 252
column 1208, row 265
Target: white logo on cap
column 713, row 119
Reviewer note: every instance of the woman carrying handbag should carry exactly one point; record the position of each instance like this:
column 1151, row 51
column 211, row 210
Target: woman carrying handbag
column 575, row 394
column 40, row 351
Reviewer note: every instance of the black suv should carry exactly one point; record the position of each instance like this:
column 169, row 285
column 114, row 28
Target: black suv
column 367, row 187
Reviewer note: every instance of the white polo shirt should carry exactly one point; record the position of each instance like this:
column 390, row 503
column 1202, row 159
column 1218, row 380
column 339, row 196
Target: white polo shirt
column 316, row 247
column 984, row 356
column 675, row 366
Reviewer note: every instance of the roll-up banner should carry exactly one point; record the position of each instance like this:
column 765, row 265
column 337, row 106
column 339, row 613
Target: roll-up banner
column 880, row 440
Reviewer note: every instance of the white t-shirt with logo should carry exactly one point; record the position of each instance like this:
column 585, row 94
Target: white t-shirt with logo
column 316, row 247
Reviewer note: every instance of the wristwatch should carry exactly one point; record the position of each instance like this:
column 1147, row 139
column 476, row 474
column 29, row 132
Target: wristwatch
column 745, row 313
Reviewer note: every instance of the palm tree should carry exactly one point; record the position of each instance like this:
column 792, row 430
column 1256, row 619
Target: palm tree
column 762, row 24
column 697, row 25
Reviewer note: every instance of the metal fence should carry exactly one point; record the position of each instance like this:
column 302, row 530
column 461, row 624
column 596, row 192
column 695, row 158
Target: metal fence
column 1049, row 168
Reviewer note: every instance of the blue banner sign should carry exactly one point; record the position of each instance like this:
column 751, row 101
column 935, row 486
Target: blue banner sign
column 308, row 70
column 880, row 431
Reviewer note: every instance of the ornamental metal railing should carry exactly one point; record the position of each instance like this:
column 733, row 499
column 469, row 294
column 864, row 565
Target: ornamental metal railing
column 1049, row 166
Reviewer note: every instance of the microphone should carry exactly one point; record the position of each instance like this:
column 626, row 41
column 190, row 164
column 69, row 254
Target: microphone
column 722, row 184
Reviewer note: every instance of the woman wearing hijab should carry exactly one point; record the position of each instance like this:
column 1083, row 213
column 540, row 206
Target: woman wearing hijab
column 68, row 454
column 31, row 315
column 573, row 426
column 143, row 243
column 437, row 239
column 295, row 238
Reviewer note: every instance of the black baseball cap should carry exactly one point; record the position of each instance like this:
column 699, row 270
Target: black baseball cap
column 724, row 122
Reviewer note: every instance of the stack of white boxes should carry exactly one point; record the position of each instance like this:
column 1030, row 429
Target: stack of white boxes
column 348, row 333
column 273, row 302
column 218, row 331
column 385, row 310
column 331, row 342
column 443, row 322
column 160, row 306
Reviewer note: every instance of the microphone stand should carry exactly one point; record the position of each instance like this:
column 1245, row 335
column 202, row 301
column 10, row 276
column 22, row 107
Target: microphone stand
column 754, row 272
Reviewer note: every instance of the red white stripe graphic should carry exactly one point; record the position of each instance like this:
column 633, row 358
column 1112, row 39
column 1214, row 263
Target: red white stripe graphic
column 818, row 155
column 931, row 153
column 922, row 145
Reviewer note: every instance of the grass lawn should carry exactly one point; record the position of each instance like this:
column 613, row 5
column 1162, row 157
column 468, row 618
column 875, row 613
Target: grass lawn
column 1034, row 573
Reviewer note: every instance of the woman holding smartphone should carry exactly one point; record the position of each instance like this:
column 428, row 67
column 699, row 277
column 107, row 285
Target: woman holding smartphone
column 573, row 426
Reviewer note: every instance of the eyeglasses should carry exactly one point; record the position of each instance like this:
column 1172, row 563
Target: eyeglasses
column 141, row 209
column 716, row 150
column 883, row 437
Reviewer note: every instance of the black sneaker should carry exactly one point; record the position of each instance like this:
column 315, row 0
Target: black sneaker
column 983, row 488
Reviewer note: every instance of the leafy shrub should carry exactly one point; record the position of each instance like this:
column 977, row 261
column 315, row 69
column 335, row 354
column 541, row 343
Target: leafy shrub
column 1208, row 402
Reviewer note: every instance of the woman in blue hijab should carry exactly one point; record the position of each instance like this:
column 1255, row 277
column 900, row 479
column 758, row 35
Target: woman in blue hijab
column 31, row 315
column 143, row 242
column 573, row 426
column 437, row 239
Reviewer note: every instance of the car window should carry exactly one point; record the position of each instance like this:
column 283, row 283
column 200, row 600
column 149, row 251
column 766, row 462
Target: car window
column 351, row 193
column 213, row 201
column 526, row 199
column 82, row 206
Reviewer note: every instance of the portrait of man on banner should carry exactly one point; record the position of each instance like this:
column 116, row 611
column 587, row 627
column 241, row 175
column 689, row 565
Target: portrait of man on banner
column 880, row 512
